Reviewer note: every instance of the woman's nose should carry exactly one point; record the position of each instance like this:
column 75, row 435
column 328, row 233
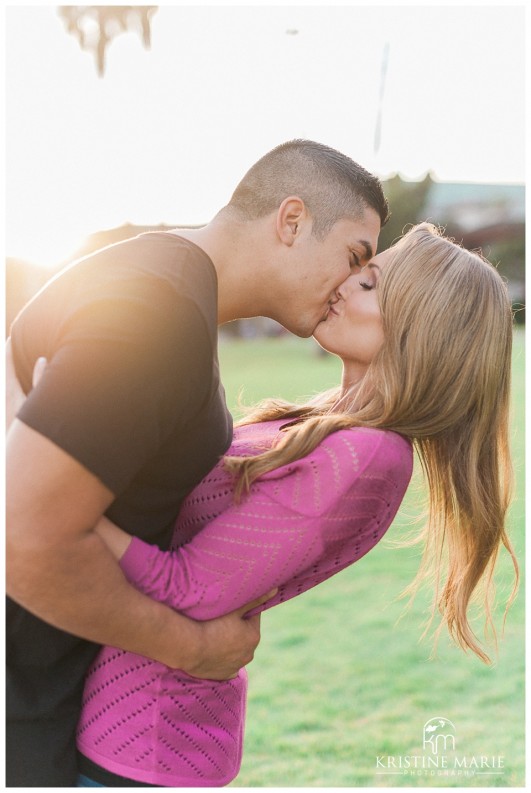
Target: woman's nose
column 343, row 289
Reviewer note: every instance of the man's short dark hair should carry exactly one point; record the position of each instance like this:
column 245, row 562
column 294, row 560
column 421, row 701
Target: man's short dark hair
column 331, row 185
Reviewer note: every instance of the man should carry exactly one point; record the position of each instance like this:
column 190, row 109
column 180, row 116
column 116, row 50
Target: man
column 129, row 415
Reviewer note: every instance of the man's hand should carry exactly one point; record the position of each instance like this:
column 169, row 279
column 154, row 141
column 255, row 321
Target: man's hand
column 228, row 643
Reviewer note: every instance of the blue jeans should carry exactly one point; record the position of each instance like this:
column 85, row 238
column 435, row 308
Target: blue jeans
column 84, row 781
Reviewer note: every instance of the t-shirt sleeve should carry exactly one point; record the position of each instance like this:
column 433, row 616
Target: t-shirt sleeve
column 300, row 524
column 126, row 373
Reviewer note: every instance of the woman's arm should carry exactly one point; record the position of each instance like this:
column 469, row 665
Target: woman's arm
column 299, row 525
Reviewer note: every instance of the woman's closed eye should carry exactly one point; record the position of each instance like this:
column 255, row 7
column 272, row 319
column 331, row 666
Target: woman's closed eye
column 370, row 276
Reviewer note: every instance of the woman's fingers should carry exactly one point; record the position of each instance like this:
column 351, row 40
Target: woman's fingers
column 258, row 602
column 38, row 370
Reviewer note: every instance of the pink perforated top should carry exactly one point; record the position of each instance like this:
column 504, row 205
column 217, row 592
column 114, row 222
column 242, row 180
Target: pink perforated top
column 301, row 524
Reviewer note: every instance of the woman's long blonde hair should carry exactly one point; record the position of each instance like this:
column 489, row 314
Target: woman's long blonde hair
column 442, row 379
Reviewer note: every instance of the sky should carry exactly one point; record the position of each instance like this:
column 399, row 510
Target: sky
column 168, row 132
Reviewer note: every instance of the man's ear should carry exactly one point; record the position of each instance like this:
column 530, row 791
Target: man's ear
column 292, row 213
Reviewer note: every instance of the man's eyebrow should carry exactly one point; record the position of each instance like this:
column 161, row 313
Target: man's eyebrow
column 368, row 248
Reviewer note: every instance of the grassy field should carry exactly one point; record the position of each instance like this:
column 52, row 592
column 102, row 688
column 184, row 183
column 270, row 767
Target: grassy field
column 341, row 678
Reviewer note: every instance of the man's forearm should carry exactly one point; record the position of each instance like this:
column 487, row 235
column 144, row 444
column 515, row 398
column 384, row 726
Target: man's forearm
column 98, row 604
column 80, row 588
column 59, row 569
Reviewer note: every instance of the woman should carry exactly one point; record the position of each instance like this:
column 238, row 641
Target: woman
column 424, row 333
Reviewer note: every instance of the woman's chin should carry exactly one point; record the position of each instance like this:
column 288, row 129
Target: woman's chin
column 322, row 345
column 319, row 334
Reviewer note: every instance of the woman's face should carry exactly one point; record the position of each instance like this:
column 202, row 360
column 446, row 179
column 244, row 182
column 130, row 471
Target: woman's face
column 353, row 328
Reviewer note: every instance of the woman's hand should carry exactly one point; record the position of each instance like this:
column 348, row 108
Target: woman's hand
column 15, row 396
column 114, row 538
column 117, row 540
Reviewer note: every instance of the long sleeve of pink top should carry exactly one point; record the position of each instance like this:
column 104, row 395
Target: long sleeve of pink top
column 299, row 525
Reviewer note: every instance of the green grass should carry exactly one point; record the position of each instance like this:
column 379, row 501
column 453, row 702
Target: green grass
column 340, row 677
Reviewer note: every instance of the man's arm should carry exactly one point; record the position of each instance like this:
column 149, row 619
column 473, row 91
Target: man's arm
column 60, row 570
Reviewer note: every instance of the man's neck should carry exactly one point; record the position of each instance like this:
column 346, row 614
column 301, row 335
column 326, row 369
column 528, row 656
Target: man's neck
column 239, row 282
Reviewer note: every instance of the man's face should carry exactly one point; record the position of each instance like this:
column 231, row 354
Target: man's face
column 323, row 265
